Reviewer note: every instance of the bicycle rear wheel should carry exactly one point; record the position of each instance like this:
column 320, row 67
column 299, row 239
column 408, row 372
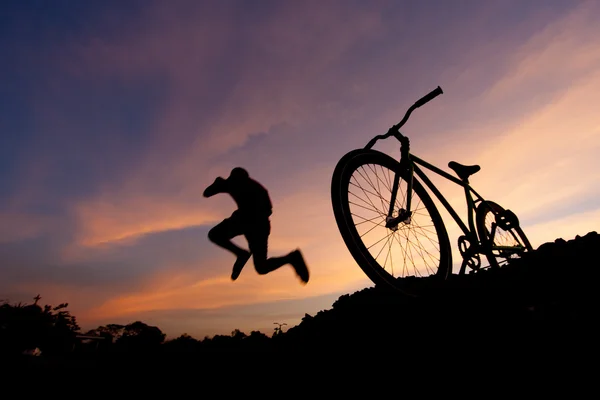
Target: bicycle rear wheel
column 500, row 235
column 361, row 189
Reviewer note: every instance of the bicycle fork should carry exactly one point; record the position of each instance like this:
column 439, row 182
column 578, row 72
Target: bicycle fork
column 403, row 214
column 405, row 165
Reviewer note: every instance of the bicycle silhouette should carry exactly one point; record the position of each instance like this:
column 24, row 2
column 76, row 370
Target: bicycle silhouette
column 386, row 216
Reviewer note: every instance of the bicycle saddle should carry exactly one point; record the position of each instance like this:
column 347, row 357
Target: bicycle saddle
column 463, row 171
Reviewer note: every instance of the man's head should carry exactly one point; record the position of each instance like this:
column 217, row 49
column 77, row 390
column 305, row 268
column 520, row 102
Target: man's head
column 238, row 173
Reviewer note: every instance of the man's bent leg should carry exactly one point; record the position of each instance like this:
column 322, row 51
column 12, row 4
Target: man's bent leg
column 294, row 258
column 258, row 242
column 222, row 234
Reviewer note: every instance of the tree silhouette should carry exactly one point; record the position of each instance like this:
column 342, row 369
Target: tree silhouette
column 238, row 335
column 182, row 344
column 112, row 332
column 139, row 336
column 25, row 327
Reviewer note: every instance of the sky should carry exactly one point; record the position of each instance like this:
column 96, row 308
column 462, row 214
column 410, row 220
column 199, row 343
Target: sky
column 116, row 115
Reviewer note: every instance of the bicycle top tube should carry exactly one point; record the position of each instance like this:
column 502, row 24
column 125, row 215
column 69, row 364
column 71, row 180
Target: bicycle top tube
column 394, row 130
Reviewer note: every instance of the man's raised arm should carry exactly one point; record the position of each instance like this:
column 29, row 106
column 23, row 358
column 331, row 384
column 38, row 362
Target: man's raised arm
column 216, row 187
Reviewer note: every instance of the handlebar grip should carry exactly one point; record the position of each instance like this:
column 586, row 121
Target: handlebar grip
column 428, row 97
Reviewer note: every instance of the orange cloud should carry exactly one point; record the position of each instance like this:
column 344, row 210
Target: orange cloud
column 126, row 219
column 144, row 201
column 167, row 291
column 302, row 219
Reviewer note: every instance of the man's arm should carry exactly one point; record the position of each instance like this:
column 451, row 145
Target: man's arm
column 218, row 186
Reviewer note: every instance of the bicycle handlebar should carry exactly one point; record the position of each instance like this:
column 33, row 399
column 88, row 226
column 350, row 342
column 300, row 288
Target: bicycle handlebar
column 428, row 97
column 425, row 99
column 394, row 130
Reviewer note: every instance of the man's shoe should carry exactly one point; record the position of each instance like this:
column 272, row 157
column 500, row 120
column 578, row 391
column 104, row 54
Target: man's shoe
column 299, row 265
column 239, row 265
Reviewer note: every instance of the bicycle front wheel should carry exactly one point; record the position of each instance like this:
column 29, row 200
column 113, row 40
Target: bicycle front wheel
column 361, row 190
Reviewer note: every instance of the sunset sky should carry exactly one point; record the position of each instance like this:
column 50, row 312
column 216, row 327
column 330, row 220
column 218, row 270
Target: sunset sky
column 115, row 115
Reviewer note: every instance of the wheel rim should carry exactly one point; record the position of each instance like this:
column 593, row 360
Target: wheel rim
column 412, row 249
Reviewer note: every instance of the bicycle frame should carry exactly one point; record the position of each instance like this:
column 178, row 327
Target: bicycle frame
column 411, row 163
column 471, row 196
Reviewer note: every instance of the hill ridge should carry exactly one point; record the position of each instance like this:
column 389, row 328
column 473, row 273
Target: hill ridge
column 547, row 292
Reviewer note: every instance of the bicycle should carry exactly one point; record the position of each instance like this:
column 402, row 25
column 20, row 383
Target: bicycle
column 400, row 208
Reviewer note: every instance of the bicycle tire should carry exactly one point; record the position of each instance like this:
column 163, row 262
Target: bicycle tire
column 483, row 232
column 343, row 174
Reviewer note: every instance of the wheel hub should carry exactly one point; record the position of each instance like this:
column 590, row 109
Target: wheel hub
column 402, row 217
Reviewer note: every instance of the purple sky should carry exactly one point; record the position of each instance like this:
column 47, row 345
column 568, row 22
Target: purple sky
column 117, row 114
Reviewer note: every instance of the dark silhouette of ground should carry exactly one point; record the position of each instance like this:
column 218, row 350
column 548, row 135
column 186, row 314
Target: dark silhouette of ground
column 547, row 298
column 543, row 305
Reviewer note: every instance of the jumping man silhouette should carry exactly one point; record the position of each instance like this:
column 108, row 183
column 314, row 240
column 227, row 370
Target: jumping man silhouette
column 251, row 219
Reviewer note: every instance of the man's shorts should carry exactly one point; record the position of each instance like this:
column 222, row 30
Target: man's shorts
column 255, row 229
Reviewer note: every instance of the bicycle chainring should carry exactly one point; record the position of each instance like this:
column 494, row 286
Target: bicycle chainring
column 472, row 260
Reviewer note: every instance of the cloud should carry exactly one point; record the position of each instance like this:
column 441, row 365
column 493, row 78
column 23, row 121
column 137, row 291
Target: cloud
column 182, row 269
column 540, row 67
column 204, row 117
column 296, row 226
column 126, row 220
